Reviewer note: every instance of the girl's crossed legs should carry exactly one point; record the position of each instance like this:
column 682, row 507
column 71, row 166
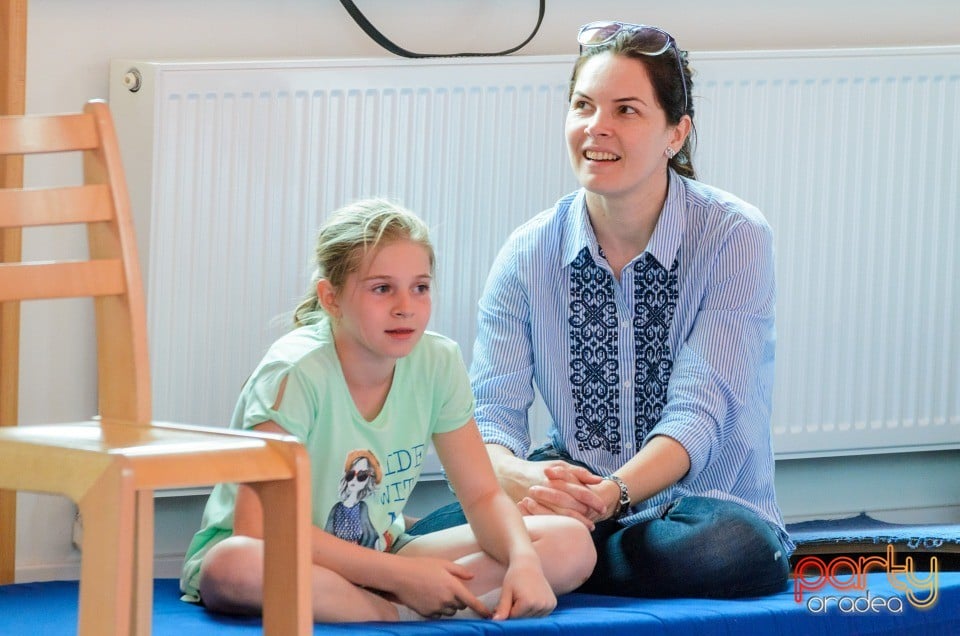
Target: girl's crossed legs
column 231, row 578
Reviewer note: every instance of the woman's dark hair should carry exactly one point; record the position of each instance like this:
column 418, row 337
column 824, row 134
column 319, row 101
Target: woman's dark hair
column 667, row 86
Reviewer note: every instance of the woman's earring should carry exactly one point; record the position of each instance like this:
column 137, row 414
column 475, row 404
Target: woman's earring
column 669, row 152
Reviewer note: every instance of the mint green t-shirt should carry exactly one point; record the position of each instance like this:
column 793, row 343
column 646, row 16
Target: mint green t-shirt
column 361, row 472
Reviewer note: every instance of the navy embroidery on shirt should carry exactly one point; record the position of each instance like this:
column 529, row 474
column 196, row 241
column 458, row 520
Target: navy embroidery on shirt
column 655, row 300
column 594, row 373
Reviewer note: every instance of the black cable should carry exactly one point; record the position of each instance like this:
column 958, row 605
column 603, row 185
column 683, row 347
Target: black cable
column 382, row 40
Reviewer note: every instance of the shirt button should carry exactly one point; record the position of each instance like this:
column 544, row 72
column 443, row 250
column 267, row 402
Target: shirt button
column 624, row 323
column 626, row 383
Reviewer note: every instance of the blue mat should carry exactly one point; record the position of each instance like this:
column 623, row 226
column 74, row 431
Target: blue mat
column 864, row 532
column 50, row 609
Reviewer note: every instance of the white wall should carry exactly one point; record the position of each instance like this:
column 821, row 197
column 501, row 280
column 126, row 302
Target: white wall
column 70, row 44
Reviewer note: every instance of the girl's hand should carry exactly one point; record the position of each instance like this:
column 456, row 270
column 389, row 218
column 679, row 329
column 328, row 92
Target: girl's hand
column 525, row 592
column 435, row 587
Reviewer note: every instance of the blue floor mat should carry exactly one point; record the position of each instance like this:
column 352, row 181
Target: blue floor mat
column 50, row 609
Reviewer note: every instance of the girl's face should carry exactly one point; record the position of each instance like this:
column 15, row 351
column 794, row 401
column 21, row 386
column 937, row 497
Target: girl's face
column 384, row 306
column 616, row 130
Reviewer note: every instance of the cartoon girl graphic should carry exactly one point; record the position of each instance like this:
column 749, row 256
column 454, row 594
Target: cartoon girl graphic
column 349, row 518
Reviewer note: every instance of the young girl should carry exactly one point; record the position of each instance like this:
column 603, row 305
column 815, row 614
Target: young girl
column 365, row 388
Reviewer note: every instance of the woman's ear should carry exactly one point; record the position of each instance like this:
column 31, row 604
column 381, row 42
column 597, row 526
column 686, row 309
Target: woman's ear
column 680, row 132
column 327, row 297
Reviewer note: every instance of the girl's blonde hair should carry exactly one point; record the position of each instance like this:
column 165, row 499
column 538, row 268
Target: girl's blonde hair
column 348, row 236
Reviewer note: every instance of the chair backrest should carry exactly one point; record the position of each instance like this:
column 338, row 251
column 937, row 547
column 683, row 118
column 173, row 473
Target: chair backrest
column 111, row 274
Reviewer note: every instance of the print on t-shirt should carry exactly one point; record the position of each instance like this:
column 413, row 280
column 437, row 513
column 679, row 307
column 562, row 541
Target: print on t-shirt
column 349, row 518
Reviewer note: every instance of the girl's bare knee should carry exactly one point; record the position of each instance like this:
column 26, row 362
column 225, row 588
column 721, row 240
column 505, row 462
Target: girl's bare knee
column 580, row 551
column 231, row 576
column 565, row 545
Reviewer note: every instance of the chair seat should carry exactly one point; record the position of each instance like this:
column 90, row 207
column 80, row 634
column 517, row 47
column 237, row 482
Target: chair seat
column 110, row 468
column 164, row 455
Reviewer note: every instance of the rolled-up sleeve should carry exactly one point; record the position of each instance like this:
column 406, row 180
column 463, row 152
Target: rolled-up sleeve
column 722, row 363
column 502, row 369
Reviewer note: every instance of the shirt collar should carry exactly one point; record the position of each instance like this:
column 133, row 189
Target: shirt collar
column 577, row 231
column 663, row 245
column 665, row 242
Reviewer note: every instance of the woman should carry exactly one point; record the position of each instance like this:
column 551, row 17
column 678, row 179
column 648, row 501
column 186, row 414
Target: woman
column 642, row 308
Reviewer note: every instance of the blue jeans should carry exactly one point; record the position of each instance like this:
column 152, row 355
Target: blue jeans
column 701, row 547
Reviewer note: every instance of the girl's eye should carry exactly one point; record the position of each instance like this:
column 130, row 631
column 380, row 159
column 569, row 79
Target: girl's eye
column 381, row 289
column 423, row 288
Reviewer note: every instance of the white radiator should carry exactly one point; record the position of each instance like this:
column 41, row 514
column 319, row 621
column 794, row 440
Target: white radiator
column 852, row 155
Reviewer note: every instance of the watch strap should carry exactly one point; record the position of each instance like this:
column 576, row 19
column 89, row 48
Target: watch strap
column 624, row 501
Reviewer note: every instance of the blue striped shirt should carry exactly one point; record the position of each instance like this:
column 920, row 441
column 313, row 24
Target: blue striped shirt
column 682, row 345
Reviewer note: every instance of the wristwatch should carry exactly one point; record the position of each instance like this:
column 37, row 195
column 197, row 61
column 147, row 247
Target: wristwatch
column 624, row 502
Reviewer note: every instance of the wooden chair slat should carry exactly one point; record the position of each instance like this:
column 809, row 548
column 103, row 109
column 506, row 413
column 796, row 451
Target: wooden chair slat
column 44, row 133
column 55, row 206
column 33, row 281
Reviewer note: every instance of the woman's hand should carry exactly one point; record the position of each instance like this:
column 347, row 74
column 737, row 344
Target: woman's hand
column 435, row 587
column 661, row 462
column 548, row 487
column 525, row 592
column 567, row 490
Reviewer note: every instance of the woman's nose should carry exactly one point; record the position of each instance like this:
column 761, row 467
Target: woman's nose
column 597, row 125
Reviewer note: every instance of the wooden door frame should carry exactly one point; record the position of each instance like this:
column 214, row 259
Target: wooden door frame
column 13, row 65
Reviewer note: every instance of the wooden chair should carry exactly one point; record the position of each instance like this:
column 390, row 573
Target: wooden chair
column 111, row 465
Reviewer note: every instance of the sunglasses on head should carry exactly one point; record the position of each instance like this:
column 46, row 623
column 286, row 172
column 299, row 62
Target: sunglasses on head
column 647, row 40
column 360, row 475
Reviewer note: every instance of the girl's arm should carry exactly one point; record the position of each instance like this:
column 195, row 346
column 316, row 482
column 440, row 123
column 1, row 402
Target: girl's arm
column 428, row 585
column 496, row 522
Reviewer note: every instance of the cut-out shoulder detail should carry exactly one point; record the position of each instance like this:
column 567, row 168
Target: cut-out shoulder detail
column 283, row 387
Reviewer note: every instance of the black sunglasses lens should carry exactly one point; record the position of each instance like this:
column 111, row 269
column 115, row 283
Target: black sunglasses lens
column 360, row 475
column 597, row 33
column 651, row 41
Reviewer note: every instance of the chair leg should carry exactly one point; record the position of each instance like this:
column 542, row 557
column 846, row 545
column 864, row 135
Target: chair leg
column 8, row 536
column 287, row 605
column 142, row 598
column 106, row 569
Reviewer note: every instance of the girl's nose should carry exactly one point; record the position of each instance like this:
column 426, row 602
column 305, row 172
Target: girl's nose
column 402, row 308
